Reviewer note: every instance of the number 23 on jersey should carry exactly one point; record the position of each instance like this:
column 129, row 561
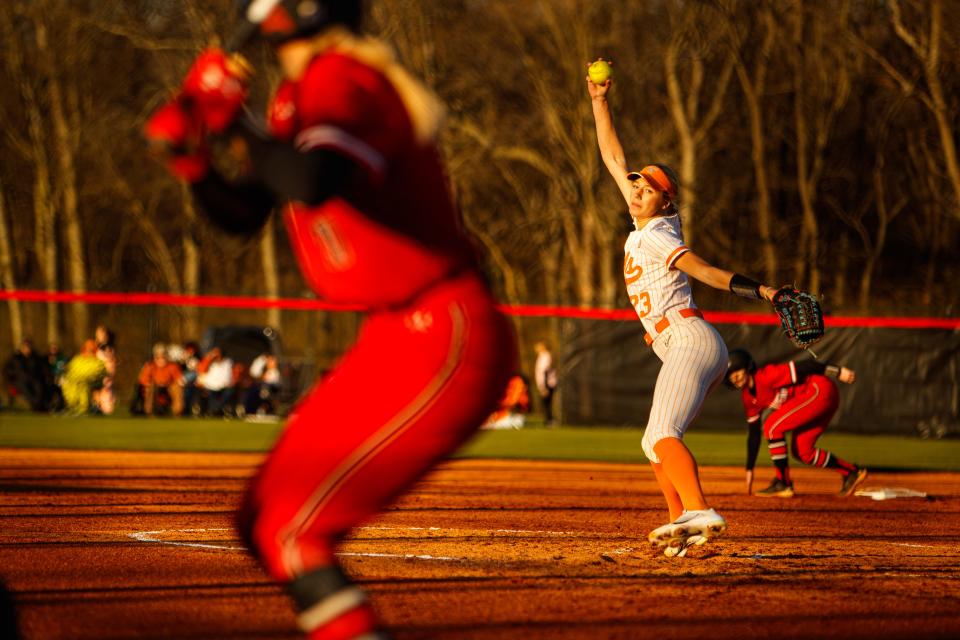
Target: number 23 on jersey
column 632, row 273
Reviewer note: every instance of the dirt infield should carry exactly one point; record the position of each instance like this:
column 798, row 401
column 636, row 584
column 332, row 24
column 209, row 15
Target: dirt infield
column 113, row 545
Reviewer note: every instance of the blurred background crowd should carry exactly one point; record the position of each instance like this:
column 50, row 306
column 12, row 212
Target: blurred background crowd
column 174, row 379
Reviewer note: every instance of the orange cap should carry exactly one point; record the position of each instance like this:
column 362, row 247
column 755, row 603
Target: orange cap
column 657, row 178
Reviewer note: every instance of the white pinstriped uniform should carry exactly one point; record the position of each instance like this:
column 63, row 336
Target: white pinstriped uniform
column 693, row 353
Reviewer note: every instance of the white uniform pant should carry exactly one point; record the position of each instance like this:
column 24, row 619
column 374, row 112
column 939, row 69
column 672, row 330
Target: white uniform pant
column 694, row 361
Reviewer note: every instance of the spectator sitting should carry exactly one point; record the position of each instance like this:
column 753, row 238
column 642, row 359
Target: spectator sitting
column 57, row 362
column 215, row 377
column 83, row 372
column 513, row 407
column 27, row 375
column 136, row 404
column 265, row 373
column 104, row 398
column 161, row 375
column 188, row 358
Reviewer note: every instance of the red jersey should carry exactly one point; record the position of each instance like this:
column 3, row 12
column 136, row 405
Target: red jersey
column 773, row 386
column 396, row 230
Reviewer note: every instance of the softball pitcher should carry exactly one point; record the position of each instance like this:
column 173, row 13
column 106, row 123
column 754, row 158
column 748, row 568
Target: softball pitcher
column 655, row 268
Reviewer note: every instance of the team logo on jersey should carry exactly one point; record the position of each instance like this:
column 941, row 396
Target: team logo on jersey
column 631, row 271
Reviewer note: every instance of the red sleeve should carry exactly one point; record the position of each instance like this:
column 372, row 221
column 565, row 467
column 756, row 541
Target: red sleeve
column 774, row 376
column 352, row 108
column 750, row 406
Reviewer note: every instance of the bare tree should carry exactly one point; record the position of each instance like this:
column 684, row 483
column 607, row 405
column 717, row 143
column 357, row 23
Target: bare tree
column 63, row 103
column 191, row 261
column 886, row 212
column 842, row 107
column 695, row 102
column 821, row 88
column 566, row 158
column 7, row 278
column 34, row 149
column 753, row 82
column 931, row 229
column 873, row 234
column 150, row 234
column 925, row 41
column 271, row 277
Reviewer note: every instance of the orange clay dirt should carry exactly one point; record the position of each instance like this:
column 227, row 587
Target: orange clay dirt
column 112, row 545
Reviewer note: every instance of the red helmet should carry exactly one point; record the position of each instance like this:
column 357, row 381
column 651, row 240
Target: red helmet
column 282, row 20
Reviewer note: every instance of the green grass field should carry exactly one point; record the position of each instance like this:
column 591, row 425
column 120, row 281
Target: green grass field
column 568, row 443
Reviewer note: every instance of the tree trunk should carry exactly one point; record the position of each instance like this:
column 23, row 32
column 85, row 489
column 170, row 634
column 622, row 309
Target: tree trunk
column 687, row 143
column 154, row 244
column 34, row 149
column 885, row 215
column 926, row 48
column 807, row 254
column 610, row 283
column 939, row 106
column 45, row 245
column 271, row 274
column 191, row 263
column 753, row 88
column 764, row 216
column 7, row 278
column 76, row 262
column 511, row 277
column 839, row 298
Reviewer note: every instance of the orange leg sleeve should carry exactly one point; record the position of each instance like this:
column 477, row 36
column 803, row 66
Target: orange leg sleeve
column 674, row 503
column 680, row 468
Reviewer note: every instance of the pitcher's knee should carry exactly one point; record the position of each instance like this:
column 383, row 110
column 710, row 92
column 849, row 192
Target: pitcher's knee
column 651, row 436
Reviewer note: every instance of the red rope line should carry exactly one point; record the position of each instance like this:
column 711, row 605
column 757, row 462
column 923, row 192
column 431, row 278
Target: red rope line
column 520, row 310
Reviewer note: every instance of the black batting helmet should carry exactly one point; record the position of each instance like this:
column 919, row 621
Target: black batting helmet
column 282, row 20
column 736, row 360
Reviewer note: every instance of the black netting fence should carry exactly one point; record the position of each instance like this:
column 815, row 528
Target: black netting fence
column 908, row 379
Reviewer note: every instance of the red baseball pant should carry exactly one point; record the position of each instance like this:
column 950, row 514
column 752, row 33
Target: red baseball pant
column 806, row 415
column 413, row 388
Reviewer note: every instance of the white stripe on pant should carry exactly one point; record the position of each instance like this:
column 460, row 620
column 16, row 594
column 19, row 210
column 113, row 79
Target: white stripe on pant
column 694, row 361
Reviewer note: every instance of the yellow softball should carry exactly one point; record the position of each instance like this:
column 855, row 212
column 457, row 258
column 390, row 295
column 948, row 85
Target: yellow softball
column 599, row 71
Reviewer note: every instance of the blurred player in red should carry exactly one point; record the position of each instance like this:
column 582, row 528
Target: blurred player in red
column 799, row 398
column 350, row 153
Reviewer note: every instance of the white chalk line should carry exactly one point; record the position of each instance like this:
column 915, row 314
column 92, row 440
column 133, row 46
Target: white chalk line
column 152, row 536
column 148, row 536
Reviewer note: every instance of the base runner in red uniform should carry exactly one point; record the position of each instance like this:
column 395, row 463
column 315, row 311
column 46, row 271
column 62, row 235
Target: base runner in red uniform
column 350, row 153
column 798, row 398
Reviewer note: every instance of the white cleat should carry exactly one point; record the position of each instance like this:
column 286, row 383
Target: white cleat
column 681, row 550
column 690, row 529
